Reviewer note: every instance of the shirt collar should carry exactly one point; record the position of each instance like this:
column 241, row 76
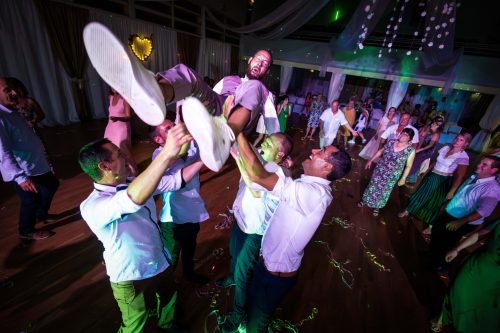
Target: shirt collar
column 109, row 188
column 5, row 109
column 314, row 179
column 484, row 180
column 244, row 79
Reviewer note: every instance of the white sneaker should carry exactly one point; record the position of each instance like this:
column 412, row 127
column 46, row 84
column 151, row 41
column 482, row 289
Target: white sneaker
column 124, row 73
column 213, row 135
column 351, row 142
column 363, row 141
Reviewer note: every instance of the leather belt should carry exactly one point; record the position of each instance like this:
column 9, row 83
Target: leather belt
column 280, row 274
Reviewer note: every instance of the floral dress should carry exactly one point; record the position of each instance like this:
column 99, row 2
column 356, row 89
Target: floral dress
column 316, row 109
column 387, row 172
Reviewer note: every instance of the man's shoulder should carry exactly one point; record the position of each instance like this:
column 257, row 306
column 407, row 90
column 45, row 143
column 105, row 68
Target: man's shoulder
column 232, row 78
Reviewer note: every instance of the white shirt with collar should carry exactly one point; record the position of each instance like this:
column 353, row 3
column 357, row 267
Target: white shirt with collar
column 186, row 204
column 129, row 233
column 21, row 151
column 332, row 122
column 448, row 165
column 250, row 212
column 481, row 196
column 391, row 134
column 302, row 205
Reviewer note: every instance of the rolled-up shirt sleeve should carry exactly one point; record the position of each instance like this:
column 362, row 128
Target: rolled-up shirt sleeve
column 171, row 181
column 100, row 210
column 487, row 203
column 343, row 120
column 386, row 133
column 11, row 171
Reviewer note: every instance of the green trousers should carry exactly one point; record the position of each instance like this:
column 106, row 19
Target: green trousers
column 139, row 300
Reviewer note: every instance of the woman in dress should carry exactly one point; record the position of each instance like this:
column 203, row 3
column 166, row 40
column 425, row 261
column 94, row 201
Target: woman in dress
column 395, row 156
column 314, row 114
column 118, row 130
column 440, row 184
column 283, row 113
column 429, row 135
column 372, row 146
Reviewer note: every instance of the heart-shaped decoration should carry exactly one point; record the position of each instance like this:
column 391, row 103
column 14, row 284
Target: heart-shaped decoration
column 141, row 47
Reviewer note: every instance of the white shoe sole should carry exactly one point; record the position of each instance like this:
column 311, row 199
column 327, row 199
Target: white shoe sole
column 124, row 73
column 214, row 147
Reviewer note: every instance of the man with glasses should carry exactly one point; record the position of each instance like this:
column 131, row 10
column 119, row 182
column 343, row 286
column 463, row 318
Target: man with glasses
column 147, row 93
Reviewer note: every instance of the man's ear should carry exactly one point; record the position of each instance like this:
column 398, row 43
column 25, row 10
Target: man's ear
column 280, row 156
column 327, row 167
column 103, row 166
column 249, row 60
column 158, row 140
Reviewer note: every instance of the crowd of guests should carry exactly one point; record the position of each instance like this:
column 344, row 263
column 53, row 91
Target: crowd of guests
column 276, row 215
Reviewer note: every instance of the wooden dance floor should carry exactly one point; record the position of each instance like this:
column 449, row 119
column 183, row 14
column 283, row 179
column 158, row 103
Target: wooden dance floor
column 359, row 273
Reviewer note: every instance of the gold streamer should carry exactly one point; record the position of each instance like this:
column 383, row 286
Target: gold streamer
column 280, row 324
column 373, row 258
column 345, row 274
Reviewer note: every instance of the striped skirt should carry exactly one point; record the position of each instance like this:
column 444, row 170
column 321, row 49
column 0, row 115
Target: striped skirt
column 429, row 196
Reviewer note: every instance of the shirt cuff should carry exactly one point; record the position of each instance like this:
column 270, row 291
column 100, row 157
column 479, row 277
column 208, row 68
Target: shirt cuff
column 20, row 179
column 127, row 204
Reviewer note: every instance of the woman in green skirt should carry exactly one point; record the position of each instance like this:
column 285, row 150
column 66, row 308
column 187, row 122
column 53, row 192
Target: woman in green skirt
column 440, row 184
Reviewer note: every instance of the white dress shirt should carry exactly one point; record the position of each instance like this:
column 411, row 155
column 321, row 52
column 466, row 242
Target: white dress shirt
column 332, row 122
column 249, row 211
column 302, row 205
column 481, row 196
column 129, row 233
column 390, row 133
column 21, row 152
column 186, row 204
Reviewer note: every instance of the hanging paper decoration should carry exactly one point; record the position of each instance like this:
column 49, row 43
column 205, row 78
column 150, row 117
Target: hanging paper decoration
column 141, row 47
column 432, row 30
column 370, row 11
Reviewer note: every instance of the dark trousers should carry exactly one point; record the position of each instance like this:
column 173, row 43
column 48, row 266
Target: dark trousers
column 244, row 265
column 236, row 242
column 181, row 237
column 443, row 240
column 36, row 205
column 266, row 293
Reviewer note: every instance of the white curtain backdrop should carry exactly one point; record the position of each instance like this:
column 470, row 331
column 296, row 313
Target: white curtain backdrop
column 336, row 85
column 291, row 15
column 214, row 59
column 163, row 57
column 488, row 123
column 396, row 94
column 285, row 77
column 26, row 54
